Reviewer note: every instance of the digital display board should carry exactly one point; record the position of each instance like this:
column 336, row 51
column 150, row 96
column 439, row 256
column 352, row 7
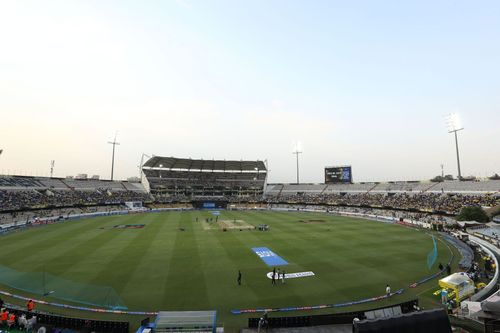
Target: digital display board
column 217, row 204
column 338, row 174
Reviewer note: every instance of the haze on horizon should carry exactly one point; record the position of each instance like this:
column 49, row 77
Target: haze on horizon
column 361, row 83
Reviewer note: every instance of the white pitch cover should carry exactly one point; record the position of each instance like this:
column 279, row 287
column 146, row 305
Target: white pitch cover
column 292, row 275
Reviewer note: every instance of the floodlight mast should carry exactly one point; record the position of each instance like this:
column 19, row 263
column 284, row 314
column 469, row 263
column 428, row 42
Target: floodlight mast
column 142, row 164
column 114, row 143
column 454, row 127
column 296, row 152
column 52, row 163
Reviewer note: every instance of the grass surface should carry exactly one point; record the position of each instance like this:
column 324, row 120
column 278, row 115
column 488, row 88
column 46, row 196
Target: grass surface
column 161, row 267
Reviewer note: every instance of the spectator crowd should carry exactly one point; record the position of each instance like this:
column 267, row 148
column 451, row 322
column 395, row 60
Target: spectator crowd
column 30, row 199
column 427, row 202
column 18, row 200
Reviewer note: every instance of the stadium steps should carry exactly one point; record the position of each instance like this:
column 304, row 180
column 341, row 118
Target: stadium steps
column 324, row 189
column 371, row 188
column 281, row 190
column 62, row 181
column 428, row 188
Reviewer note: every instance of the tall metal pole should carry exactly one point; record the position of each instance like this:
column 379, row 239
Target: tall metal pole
column 458, row 156
column 267, row 174
column 52, row 163
column 113, row 161
column 114, row 143
column 140, row 165
column 454, row 127
column 297, row 155
column 297, row 152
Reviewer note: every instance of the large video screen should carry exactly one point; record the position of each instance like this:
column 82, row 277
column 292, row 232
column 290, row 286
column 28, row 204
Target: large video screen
column 339, row 174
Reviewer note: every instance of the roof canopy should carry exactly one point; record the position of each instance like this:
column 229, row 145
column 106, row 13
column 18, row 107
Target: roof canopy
column 172, row 163
column 456, row 279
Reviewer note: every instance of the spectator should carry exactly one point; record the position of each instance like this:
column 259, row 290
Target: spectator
column 31, row 323
column 22, row 322
column 30, row 305
column 12, row 320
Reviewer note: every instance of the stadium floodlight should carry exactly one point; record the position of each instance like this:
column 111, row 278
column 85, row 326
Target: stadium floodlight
column 267, row 174
column 296, row 151
column 141, row 164
column 114, row 143
column 52, row 163
column 455, row 125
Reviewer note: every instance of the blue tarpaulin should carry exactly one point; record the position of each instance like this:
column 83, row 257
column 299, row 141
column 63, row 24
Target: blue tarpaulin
column 269, row 257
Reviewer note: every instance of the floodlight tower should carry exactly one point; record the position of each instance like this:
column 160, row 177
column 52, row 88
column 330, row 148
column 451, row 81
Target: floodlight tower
column 142, row 163
column 267, row 174
column 454, row 125
column 296, row 151
column 52, row 163
column 114, row 143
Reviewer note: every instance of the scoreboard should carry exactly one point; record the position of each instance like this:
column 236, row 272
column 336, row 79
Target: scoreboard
column 338, row 174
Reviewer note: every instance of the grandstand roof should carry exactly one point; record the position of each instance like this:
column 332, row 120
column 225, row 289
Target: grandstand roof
column 203, row 165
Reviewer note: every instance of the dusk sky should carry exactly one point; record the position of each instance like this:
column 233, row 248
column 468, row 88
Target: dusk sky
column 364, row 83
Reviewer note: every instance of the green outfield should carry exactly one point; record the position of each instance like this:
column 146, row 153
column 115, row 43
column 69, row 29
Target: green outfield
column 177, row 263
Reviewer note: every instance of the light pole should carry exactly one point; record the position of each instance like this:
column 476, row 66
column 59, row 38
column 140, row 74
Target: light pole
column 114, row 143
column 256, row 182
column 267, row 174
column 52, row 163
column 454, row 126
column 296, row 152
column 142, row 163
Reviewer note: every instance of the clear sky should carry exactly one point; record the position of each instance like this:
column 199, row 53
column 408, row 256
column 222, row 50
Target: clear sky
column 366, row 83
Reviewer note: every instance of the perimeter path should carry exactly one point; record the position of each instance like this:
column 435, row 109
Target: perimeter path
column 495, row 251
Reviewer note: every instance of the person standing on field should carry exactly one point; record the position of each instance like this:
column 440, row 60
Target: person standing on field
column 388, row 291
column 239, row 278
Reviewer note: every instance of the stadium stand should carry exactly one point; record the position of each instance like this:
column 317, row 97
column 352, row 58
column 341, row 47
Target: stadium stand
column 462, row 187
column 468, row 186
column 273, row 190
column 418, row 322
column 425, row 202
column 174, row 177
column 332, row 319
column 55, row 323
column 185, row 183
column 174, row 180
column 19, row 193
column 447, row 197
column 18, row 217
